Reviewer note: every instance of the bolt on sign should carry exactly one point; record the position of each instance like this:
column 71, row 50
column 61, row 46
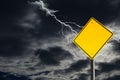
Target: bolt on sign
column 92, row 37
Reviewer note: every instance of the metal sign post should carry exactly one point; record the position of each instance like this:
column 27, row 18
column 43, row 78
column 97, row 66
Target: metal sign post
column 92, row 70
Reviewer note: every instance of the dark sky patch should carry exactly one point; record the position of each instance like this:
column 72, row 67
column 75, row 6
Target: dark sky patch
column 11, row 46
column 49, row 27
column 11, row 8
column 13, row 38
column 81, row 10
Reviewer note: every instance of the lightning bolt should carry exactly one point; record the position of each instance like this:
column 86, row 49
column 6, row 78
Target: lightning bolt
column 74, row 24
column 50, row 12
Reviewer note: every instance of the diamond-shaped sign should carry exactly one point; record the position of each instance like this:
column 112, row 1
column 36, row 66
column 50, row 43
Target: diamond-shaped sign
column 92, row 37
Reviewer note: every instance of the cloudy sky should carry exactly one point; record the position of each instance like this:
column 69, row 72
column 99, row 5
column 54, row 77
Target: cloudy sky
column 36, row 39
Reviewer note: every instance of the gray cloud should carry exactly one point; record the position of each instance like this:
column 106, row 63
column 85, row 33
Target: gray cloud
column 113, row 78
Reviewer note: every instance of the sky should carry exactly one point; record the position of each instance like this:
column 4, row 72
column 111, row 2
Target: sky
column 36, row 39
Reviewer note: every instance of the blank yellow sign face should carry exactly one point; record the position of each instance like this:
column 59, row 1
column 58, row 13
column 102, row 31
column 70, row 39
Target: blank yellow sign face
column 92, row 37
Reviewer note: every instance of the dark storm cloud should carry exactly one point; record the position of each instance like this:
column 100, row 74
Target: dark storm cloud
column 83, row 77
column 116, row 46
column 53, row 55
column 75, row 70
column 107, row 67
column 77, row 66
column 43, row 78
column 8, row 76
column 81, row 10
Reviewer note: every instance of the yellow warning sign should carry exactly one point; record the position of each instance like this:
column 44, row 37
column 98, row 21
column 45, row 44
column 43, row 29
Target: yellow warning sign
column 92, row 37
